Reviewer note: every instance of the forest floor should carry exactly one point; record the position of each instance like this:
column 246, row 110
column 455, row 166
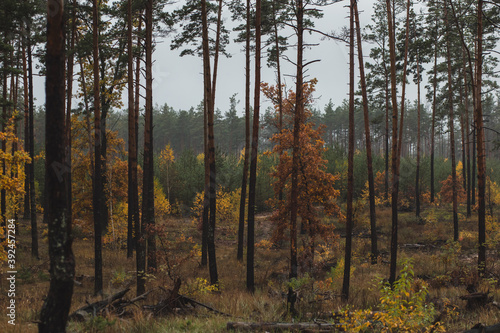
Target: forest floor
column 447, row 268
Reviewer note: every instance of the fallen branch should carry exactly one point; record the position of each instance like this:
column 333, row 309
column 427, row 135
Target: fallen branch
column 476, row 300
column 479, row 328
column 300, row 327
column 96, row 307
column 194, row 302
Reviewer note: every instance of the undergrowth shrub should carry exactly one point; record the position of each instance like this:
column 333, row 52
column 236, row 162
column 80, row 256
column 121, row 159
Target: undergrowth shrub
column 402, row 308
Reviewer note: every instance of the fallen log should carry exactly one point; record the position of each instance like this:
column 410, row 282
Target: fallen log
column 479, row 328
column 476, row 300
column 93, row 309
column 298, row 327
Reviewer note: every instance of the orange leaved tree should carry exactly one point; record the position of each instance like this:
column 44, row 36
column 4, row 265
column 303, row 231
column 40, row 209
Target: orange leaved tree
column 315, row 185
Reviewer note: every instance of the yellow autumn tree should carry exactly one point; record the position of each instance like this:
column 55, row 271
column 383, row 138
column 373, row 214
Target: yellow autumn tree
column 165, row 160
column 13, row 158
column 82, row 158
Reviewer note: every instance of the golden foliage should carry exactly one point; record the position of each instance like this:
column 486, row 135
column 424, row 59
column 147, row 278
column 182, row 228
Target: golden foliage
column 228, row 203
column 162, row 205
column 13, row 158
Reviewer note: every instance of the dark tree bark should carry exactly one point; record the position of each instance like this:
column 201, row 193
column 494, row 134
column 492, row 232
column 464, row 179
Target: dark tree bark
column 254, row 154
column 98, row 197
column 148, row 212
column 133, row 195
column 54, row 312
column 451, row 129
column 369, row 160
column 212, row 264
column 69, row 99
column 394, row 159
column 417, row 176
column 350, row 161
column 241, row 224
column 294, row 192
column 481, row 158
column 27, row 203
column 467, row 135
column 206, row 193
column 433, row 126
column 387, row 111
column 34, row 227
column 3, row 208
column 140, row 242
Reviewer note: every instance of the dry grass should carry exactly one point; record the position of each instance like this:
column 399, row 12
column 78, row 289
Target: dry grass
column 433, row 262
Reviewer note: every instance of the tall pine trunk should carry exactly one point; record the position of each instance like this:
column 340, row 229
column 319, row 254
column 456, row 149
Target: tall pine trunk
column 369, row 160
column 148, row 213
column 350, row 161
column 294, row 193
column 451, row 129
column 54, row 312
column 27, row 206
column 132, row 195
column 140, row 242
column 254, row 154
column 481, row 159
column 433, row 126
column 34, row 226
column 241, row 224
column 467, row 135
column 394, row 151
column 417, row 174
column 212, row 264
column 97, row 197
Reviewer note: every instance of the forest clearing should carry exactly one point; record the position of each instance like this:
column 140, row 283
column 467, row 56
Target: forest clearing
column 447, row 268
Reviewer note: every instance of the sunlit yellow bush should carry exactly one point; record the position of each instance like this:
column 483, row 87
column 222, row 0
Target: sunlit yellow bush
column 402, row 308
column 228, row 204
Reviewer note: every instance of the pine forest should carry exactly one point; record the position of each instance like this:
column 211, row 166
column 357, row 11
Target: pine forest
column 250, row 165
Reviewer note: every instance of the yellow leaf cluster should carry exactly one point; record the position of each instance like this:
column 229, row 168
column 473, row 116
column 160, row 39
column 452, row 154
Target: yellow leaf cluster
column 227, row 206
column 13, row 159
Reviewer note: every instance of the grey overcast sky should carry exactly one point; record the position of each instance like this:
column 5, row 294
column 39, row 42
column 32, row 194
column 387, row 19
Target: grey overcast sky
column 178, row 80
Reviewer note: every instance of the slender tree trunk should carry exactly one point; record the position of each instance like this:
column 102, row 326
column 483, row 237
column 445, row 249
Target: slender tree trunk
column 206, row 194
column 387, row 94
column 241, row 225
column 97, row 160
column 417, row 177
column 69, row 99
column 254, row 154
column 133, row 196
column 467, row 128
column 140, row 242
column 369, row 162
column 212, row 264
column 433, row 126
column 3, row 208
column 403, row 90
column 474, row 160
column 451, row 129
column 294, row 193
column 481, row 160
column 280, row 91
column 148, row 221
column 31, row 145
column 350, row 160
column 394, row 162
column 27, row 202
column 54, row 312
